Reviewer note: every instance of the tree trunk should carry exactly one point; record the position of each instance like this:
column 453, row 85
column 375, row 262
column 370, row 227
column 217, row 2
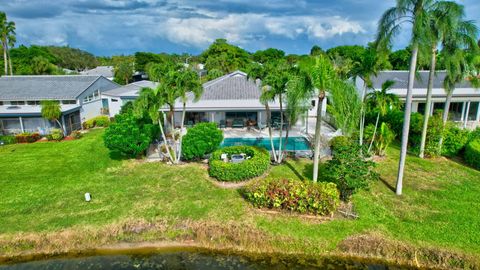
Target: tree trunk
column 286, row 141
column 428, row 105
column 406, row 120
column 61, row 127
column 318, row 127
column 5, row 60
column 179, row 156
column 280, row 156
column 362, row 114
column 9, row 59
column 374, row 133
column 165, row 140
column 446, row 110
column 269, row 126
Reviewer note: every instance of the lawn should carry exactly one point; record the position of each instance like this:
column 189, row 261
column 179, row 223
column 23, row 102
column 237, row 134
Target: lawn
column 42, row 188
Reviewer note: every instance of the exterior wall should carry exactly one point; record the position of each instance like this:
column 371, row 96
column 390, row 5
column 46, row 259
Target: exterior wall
column 114, row 106
column 92, row 109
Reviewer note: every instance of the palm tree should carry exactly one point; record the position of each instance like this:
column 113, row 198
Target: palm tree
column 365, row 69
column 323, row 77
column 381, row 101
column 7, row 38
column 417, row 13
column 445, row 22
column 345, row 107
column 52, row 111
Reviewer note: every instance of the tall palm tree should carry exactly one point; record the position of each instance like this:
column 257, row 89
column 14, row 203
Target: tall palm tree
column 7, row 38
column 381, row 101
column 323, row 77
column 445, row 23
column 415, row 12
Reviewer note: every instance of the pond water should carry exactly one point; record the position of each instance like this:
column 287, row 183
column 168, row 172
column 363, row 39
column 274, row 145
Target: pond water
column 294, row 143
column 193, row 260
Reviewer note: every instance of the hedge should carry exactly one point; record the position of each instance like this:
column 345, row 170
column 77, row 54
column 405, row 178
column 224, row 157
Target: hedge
column 472, row 154
column 249, row 168
column 8, row 139
column 454, row 140
column 200, row 140
column 99, row 121
column 27, row 137
column 293, row 195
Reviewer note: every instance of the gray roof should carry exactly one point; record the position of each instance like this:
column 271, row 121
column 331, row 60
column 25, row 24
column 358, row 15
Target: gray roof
column 105, row 71
column 130, row 90
column 400, row 77
column 44, row 87
column 231, row 86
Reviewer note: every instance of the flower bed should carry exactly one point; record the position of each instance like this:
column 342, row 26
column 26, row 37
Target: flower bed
column 257, row 161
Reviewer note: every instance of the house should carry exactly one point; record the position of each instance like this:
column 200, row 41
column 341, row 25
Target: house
column 105, row 71
column 116, row 98
column 230, row 100
column 465, row 104
column 20, row 97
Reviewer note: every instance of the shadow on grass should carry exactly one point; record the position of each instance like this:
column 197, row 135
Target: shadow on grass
column 294, row 170
column 308, row 171
column 116, row 155
column 392, row 188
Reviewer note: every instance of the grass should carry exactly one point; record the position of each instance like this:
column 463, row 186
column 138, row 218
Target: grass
column 42, row 187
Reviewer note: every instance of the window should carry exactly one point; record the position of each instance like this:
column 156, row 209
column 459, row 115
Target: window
column 1, row 103
column 68, row 102
column 93, row 96
column 114, row 100
column 421, row 108
column 17, row 102
column 33, row 102
column 472, row 113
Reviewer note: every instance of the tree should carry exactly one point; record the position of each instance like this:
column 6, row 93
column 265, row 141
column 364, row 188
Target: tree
column 41, row 66
column 353, row 52
column 224, row 57
column 268, row 55
column 316, row 51
column 381, row 102
column 7, row 38
column 52, row 111
column 123, row 71
column 345, row 107
column 445, row 22
column 417, row 13
column 72, row 58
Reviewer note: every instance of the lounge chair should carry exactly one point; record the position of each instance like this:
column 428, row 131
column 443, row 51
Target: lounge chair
column 238, row 123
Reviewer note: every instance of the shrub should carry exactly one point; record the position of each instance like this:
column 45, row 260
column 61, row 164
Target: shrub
column 293, row 195
column 55, row 135
column 339, row 142
column 99, row 121
column 76, row 134
column 434, row 135
column 383, row 138
column 129, row 136
column 454, row 140
column 8, row 139
column 475, row 134
column 202, row 139
column 27, row 137
column 256, row 165
column 472, row 154
column 349, row 171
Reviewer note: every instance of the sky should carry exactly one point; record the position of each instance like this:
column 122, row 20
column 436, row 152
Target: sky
column 111, row 27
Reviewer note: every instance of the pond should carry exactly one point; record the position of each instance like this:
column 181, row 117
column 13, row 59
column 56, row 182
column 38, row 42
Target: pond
column 178, row 260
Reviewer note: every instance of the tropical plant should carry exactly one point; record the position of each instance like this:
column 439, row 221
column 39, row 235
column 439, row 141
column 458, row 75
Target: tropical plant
column 7, row 39
column 51, row 110
column 123, row 71
column 200, row 140
column 345, row 107
column 381, row 102
column 447, row 27
column 417, row 13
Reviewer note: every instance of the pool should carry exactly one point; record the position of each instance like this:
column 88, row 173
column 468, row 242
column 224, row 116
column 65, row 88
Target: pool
column 294, row 143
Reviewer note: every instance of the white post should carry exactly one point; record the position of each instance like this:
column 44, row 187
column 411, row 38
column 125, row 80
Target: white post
column 466, row 115
column 259, row 113
column 431, row 108
column 478, row 112
column 212, row 117
column 463, row 111
column 64, row 126
column 21, row 124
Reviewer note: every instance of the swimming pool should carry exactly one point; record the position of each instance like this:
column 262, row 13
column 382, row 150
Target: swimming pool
column 294, row 143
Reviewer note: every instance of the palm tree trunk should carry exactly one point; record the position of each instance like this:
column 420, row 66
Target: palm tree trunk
column 9, row 59
column 61, row 127
column 446, row 109
column 318, row 127
column 5, row 60
column 362, row 114
column 374, row 133
column 269, row 126
column 165, row 140
column 428, row 105
column 406, row 120
column 286, row 141
column 181, row 133
column 280, row 156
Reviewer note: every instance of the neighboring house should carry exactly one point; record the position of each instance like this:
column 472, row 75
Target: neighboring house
column 225, row 100
column 105, row 71
column 114, row 99
column 465, row 105
column 20, row 97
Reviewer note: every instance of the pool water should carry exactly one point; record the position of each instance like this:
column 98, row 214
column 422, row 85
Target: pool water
column 294, row 143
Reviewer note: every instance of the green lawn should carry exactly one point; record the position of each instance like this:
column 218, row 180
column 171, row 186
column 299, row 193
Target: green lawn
column 42, row 187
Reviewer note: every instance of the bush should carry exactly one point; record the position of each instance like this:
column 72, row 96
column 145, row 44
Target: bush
column 472, row 154
column 27, row 137
column 99, row 121
column 256, row 165
column 349, row 171
column 454, row 140
column 202, row 139
column 129, row 136
column 383, row 138
column 76, row 134
column 339, row 142
column 293, row 195
column 434, row 135
column 8, row 139
column 55, row 135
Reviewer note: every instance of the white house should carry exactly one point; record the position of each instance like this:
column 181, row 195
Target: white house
column 20, row 97
column 117, row 97
column 465, row 105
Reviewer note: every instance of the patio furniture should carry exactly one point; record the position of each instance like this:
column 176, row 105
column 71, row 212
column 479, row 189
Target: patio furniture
column 261, row 126
column 238, row 158
column 222, row 124
column 238, row 123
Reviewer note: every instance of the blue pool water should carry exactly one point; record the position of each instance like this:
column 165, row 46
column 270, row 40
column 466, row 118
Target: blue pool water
column 294, row 143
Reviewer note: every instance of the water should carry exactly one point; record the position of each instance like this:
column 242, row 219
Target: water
column 294, row 143
column 194, row 260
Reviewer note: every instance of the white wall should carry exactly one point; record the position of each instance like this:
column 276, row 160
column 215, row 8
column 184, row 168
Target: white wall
column 93, row 108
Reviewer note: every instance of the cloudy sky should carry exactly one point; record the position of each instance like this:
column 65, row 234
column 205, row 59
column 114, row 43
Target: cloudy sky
column 106, row 27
